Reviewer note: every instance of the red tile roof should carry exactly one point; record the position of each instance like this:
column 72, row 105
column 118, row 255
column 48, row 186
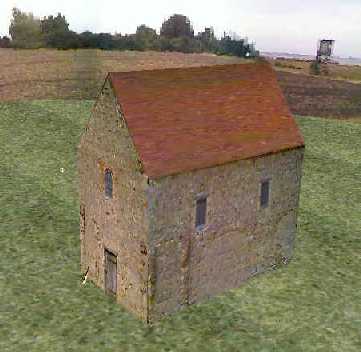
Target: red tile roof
column 184, row 119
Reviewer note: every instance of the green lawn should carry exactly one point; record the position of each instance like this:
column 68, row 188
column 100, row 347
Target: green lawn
column 313, row 304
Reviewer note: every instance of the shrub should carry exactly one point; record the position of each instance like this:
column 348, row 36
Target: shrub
column 315, row 68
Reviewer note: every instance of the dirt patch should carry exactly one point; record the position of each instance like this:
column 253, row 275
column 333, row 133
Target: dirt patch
column 79, row 74
column 317, row 96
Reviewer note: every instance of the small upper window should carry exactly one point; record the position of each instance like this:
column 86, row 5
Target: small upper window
column 108, row 184
column 264, row 193
column 201, row 210
column 82, row 219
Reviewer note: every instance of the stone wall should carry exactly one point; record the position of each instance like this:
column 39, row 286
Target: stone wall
column 240, row 239
column 118, row 224
column 163, row 262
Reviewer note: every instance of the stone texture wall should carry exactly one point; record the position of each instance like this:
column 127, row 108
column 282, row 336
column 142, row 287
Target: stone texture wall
column 240, row 239
column 163, row 262
column 118, row 224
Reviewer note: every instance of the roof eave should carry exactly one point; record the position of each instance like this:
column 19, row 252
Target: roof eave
column 177, row 173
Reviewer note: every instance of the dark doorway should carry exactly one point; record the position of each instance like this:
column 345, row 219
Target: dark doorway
column 110, row 272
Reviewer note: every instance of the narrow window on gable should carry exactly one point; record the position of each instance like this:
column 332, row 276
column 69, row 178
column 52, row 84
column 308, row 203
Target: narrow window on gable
column 108, row 184
column 82, row 221
column 201, row 210
column 264, row 193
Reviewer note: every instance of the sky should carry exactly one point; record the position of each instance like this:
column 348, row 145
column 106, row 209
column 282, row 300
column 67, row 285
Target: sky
column 274, row 25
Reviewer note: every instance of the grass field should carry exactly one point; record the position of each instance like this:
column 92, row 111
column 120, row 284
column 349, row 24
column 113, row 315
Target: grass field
column 313, row 304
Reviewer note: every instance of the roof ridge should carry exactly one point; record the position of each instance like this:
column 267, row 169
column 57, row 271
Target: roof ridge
column 193, row 67
column 222, row 115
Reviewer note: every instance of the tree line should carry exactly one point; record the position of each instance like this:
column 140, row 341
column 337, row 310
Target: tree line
column 176, row 34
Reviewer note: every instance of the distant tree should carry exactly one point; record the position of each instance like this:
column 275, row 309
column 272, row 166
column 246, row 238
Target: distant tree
column 5, row 42
column 181, row 44
column 208, row 40
column 25, row 30
column 125, row 42
column 71, row 40
column 229, row 45
column 315, row 68
column 129, row 42
column 55, row 31
column 105, row 41
column 165, row 44
column 117, row 41
column 146, row 38
column 176, row 34
column 88, row 40
column 207, row 35
column 177, row 26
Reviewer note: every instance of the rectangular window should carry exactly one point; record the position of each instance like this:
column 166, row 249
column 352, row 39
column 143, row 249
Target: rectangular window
column 82, row 233
column 201, row 210
column 108, row 183
column 82, row 221
column 265, row 193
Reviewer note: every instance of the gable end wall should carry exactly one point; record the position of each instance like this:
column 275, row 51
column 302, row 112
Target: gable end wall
column 118, row 224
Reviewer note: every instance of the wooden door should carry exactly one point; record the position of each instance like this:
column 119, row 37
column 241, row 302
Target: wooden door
column 110, row 273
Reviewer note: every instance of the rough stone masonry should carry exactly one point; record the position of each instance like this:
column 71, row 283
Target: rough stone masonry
column 163, row 262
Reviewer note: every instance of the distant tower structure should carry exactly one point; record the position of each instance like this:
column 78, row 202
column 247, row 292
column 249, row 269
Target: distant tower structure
column 324, row 50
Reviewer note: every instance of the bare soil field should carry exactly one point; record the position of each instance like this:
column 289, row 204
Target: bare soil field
column 319, row 96
column 79, row 74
